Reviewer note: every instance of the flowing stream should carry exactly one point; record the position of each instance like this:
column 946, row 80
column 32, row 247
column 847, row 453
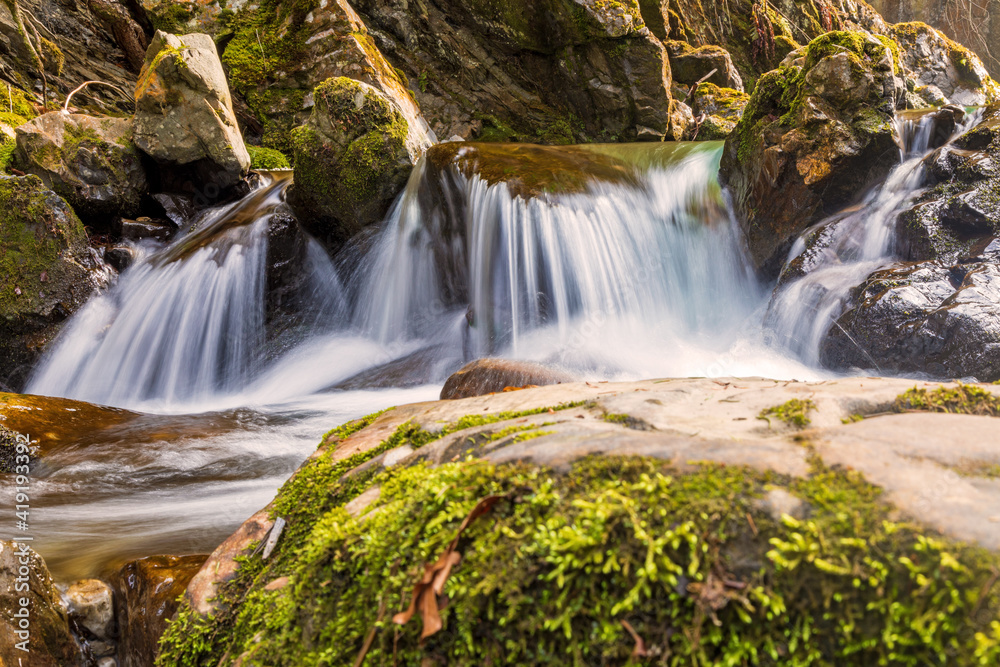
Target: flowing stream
column 628, row 279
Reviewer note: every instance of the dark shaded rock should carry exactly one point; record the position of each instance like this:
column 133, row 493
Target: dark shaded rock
column 120, row 257
column 47, row 271
column 44, row 624
column 488, row 376
column 929, row 317
column 184, row 113
column 179, row 208
column 690, row 65
column 812, row 139
column 350, row 161
column 142, row 228
column 88, row 161
column 147, row 590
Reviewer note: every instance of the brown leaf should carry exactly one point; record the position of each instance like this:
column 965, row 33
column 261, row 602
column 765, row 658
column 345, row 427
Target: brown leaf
column 431, row 584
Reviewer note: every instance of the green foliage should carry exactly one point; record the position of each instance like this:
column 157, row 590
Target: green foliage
column 267, row 158
column 793, row 413
column 6, row 154
column 15, row 101
column 550, row 574
column 964, row 399
column 170, row 17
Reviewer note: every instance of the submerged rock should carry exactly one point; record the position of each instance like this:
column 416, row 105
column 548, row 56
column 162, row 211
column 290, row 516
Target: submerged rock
column 147, row 590
column 351, row 161
column 488, row 376
column 88, row 161
column 816, row 133
column 184, row 113
column 524, row 492
column 42, row 623
column 47, row 271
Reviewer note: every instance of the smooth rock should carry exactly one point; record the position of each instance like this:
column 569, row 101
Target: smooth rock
column 491, row 375
column 147, row 590
column 88, row 161
column 184, row 112
column 91, row 605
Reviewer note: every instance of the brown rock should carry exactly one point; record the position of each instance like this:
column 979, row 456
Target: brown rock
column 147, row 593
column 487, row 376
column 25, row 578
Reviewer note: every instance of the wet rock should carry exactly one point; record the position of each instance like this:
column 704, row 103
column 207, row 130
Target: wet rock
column 184, row 114
column 91, row 606
column 491, row 375
column 705, row 64
column 811, row 140
column 934, row 60
column 57, row 422
column 180, row 209
column 45, row 627
column 88, row 161
column 47, row 271
column 120, row 257
column 147, row 590
column 929, row 317
column 143, row 228
column 350, row 161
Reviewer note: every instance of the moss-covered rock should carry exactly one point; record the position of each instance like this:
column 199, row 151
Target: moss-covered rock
column 596, row 560
column 91, row 162
column 719, row 110
column 47, row 271
column 816, row 132
column 267, row 158
column 351, row 160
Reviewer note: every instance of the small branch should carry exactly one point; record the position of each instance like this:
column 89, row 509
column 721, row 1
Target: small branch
column 87, row 83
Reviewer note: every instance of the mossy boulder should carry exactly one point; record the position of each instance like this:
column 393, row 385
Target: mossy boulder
column 351, row 160
column 933, row 60
column 90, row 162
column 815, row 134
column 719, row 110
column 184, row 113
column 577, row 524
column 47, row 271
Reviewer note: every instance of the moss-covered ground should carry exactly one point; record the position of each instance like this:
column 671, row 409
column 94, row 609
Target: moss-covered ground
column 618, row 561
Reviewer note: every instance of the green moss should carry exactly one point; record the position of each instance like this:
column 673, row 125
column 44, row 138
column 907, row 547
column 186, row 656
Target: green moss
column 348, row 429
column 685, row 558
column 171, row 17
column 6, row 154
column 267, row 158
column 964, row 399
column 15, row 101
column 793, row 413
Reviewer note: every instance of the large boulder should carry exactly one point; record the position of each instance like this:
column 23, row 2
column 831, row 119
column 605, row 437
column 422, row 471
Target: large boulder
column 184, row 113
column 351, row 160
column 816, row 133
column 90, row 162
column 34, row 625
column 607, row 522
column 47, row 271
column 147, row 592
column 931, row 59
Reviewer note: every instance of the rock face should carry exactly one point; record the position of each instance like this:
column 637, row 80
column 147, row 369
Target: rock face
column 488, row 376
column 537, row 490
column 88, row 161
column 47, row 271
column 816, row 132
column 935, row 61
column 351, row 161
column 690, row 65
column 184, row 114
column 147, row 590
column 46, row 625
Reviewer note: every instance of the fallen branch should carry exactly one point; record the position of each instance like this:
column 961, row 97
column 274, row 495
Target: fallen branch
column 87, row 83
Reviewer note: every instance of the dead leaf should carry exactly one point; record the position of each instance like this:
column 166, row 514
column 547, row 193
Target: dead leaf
column 431, row 584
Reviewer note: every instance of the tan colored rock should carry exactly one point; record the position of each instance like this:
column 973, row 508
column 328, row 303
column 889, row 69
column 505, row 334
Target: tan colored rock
column 184, row 112
column 91, row 605
column 491, row 375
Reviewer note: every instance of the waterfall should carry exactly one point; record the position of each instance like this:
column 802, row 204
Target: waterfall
column 182, row 325
column 648, row 263
column 837, row 254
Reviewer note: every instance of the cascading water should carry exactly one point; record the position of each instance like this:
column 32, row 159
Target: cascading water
column 837, row 254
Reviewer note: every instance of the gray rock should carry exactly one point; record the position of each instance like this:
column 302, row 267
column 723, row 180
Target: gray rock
column 690, row 65
column 184, row 112
column 91, row 604
column 89, row 161
column 936, row 61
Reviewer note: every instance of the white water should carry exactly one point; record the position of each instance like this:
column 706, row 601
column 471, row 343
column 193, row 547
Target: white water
column 624, row 281
column 850, row 247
